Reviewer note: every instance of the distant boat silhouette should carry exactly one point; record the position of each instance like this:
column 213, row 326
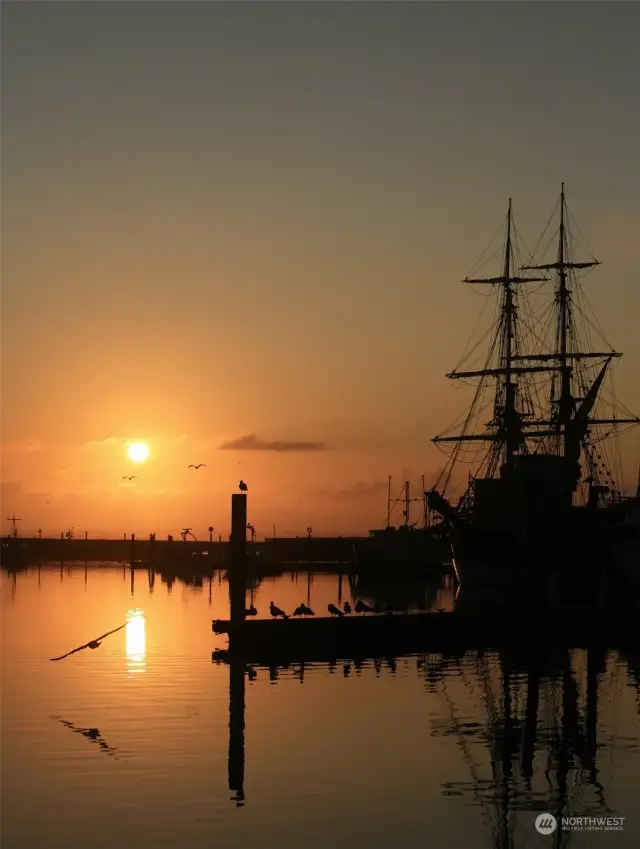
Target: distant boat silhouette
column 92, row 644
column 243, row 486
column 194, row 466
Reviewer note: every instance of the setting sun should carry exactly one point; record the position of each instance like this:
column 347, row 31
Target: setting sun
column 138, row 452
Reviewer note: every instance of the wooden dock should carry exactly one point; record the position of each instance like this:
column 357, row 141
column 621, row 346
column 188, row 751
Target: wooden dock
column 402, row 633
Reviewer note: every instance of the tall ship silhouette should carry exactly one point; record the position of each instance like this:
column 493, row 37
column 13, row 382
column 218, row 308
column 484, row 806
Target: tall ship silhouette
column 539, row 443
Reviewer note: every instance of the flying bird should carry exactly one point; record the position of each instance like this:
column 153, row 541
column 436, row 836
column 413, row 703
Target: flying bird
column 130, row 478
column 92, row 644
column 243, row 486
column 193, row 466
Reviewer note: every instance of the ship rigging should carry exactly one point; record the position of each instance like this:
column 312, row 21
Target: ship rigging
column 545, row 384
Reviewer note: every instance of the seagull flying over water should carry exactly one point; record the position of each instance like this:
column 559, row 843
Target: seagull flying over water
column 92, row 644
column 129, row 478
column 193, row 466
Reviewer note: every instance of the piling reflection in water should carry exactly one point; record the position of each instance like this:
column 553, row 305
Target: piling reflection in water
column 135, row 641
column 532, row 746
column 477, row 740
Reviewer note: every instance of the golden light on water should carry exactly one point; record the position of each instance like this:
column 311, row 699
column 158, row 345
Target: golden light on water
column 135, row 640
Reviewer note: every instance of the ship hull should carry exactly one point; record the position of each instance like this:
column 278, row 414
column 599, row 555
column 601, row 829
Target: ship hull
column 412, row 552
column 626, row 552
column 573, row 553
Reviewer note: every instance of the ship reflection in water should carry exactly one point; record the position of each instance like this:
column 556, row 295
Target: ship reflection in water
column 135, row 641
column 447, row 749
column 532, row 746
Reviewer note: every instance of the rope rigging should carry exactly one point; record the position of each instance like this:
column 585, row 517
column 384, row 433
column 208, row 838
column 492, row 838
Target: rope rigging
column 545, row 338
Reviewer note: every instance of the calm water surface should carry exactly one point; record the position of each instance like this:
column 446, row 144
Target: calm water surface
column 129, row 745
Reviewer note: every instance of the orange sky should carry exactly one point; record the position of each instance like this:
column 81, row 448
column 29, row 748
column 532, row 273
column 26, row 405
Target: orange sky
column 209, row 232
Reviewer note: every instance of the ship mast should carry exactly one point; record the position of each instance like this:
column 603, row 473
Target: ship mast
column 565, row 404
column 570, row 421
column 511, row 418
column 506, row 432
column 522, row 409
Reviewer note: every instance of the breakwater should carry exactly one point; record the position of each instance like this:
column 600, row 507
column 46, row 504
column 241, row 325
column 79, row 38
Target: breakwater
column 277, row 550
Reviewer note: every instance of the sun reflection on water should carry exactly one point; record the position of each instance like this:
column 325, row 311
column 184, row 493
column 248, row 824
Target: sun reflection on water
column 135, row 645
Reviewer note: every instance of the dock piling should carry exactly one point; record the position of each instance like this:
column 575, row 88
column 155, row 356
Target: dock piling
column 238, row 558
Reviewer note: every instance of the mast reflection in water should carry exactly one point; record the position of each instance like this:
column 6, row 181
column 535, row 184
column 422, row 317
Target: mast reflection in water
column 135, row 641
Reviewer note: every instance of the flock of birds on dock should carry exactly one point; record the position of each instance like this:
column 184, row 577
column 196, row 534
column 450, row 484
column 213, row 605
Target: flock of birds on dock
column 302, row 610
column 360, row 607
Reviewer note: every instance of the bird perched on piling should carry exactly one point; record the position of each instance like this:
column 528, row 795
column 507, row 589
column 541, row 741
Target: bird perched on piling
column 361, row 607
column 275, row 611
column 334, row 611
column 243, row 486
column 303, row 610
column 92, row 644
column 347, row 607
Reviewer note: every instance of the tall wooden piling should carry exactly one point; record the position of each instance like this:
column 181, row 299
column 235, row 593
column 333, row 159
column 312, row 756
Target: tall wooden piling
column 237, row 574
column 238, row 558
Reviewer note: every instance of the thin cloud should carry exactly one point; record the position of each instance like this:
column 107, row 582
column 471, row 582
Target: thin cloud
column 252, row 443
column 102, row 443
column 23, row 447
